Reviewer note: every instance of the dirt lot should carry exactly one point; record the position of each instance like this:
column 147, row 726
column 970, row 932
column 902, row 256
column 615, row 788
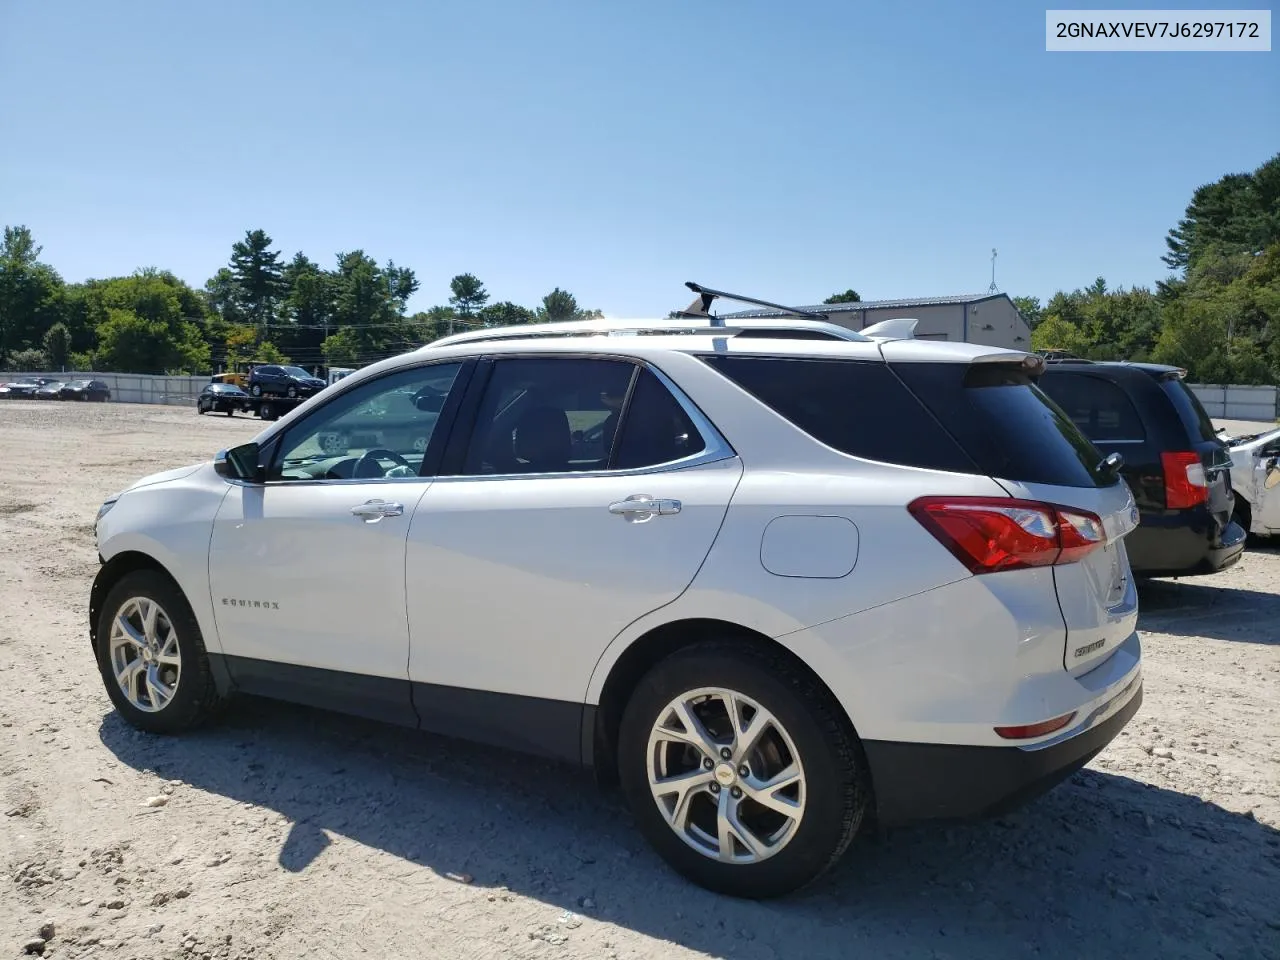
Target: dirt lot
column 290, row 833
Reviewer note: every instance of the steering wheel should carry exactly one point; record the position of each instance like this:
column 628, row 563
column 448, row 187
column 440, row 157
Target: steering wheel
column 370, row 457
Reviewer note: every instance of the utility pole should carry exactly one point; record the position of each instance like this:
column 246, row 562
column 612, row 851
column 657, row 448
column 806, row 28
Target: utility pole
column 993, row 288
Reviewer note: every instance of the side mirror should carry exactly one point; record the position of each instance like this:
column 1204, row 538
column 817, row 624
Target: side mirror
column 240, row 463
column 428, row 401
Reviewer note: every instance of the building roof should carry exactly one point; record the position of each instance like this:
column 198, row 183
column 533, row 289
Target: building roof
column 879, row 304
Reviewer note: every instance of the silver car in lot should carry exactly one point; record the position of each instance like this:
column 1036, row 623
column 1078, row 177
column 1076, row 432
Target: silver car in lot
column 1255, row 478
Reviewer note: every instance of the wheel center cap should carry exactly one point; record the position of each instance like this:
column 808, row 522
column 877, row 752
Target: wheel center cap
column 726, row 775
column 146, row 655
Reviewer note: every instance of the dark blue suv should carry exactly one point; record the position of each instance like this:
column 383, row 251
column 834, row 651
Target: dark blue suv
column 1174, row 462
column 283, row 381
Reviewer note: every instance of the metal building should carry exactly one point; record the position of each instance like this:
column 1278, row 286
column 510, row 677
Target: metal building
column 987, row 318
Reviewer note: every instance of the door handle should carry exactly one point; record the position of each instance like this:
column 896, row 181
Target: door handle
column 371, row 511
column 643, row 504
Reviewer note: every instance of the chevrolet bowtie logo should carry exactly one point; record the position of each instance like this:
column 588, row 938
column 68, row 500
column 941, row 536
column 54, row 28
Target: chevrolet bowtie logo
column 256, row 604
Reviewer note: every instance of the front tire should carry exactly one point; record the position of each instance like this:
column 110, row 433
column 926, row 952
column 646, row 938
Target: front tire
column 741, row 770
column 152, row 656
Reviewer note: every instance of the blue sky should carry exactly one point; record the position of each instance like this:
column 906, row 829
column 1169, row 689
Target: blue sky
column 615, row 150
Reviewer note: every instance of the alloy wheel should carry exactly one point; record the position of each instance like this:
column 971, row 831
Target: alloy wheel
column 144, row 653
column 726, row 775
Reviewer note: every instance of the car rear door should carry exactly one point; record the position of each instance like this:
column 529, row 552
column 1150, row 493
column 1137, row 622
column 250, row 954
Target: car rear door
column 538, row 542
column 1019, row 437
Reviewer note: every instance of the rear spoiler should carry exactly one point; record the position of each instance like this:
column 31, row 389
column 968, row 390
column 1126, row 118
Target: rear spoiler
column 899, row 328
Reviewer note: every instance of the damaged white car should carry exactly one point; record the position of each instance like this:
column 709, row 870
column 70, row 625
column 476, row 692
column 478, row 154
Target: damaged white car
column 1255, row 478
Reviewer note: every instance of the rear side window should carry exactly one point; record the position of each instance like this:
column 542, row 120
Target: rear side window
column 1190, row 411
column 857, row 407
column 655, row 428
column 1099, row 407
column 1012, row 429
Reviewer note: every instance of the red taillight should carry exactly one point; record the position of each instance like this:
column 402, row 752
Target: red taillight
column 1185, row 484
column 1034, row 729
column 988, row 534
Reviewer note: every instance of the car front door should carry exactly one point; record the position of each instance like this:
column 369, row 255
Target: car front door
column 306, row 569
column 585, row 494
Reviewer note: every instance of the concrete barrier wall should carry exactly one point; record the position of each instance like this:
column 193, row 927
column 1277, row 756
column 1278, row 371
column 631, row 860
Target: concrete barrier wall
column 133, row 387
column 1231, row 402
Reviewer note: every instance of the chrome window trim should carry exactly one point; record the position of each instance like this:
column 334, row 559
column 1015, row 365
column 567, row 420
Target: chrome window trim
column 717, row 447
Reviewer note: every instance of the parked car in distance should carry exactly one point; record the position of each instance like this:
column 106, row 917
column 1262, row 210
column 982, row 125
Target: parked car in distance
column 1255, row 479
column 767, row 614
column 221, row 398
column 94, row 390
column 24, row 389
column 1174, row 461
column 284, row 381
column 50, row 391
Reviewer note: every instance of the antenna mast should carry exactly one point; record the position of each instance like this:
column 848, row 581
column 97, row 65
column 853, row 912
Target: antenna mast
column 993, row 288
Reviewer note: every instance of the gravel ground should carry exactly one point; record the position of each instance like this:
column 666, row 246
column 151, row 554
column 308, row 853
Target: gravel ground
column 287, row 832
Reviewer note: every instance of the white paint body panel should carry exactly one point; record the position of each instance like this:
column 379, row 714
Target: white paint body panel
column 519, row 585
column 1248, row 480
column 168, row 517
column 338, row 580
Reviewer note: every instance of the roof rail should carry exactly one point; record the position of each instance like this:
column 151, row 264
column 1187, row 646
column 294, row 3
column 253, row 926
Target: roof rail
column 672, row 326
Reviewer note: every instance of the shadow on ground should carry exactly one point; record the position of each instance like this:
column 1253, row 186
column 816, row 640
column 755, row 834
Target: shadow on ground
column 1102, row 866
column 1200, row 608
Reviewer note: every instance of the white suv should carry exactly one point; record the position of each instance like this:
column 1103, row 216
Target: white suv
column 777, row 576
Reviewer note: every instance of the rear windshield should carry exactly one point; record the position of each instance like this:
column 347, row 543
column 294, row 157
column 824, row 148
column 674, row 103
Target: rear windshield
column 1190, row 412
column 1100, row 408
column 1003, row 420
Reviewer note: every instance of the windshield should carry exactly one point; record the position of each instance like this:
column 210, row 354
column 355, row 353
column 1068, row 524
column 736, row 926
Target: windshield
column 296, row 372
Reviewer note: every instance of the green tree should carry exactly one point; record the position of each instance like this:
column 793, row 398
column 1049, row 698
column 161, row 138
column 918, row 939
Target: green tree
column 57, row 346
column 1238, row 212
column 1030, row 309
column 557, row 306
column 1054, row 333
column 140, row 344
column 469, row 296
column 223, row 296
column 30, row 293
column 154, row 323
column 308, row 312
column 849, row 296
column 258, row 279
column 364, row 301
column 506, row 314
column 342, row 349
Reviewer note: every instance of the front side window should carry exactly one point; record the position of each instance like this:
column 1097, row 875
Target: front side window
column 576, row 415
column 379, row 430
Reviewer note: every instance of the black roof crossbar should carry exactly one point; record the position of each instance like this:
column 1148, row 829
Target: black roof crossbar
column 700, row 309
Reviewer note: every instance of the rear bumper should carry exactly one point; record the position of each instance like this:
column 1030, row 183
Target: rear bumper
column 928, row 781
column 1184, row 543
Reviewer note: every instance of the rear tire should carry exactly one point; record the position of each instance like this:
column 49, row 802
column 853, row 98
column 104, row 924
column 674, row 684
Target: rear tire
column 805, row 827
column 159, row 679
